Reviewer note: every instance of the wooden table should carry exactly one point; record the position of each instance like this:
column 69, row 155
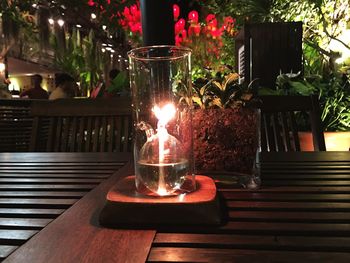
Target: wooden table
column 301, row 214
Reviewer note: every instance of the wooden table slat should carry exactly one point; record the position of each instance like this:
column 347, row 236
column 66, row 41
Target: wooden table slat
column 306, row 197
column 36, row 201
column 295, row 189
column 161, row 254
column 307, row 183
column 50, row 180
column 287, row 206
column 34, row 187
column 16, row 235
column 340, row 244
column 24, row 222
column 6, row 250
column 30, row 212
column 57, row 171
column 278, row 216
column 55, row 175
column 47, row 194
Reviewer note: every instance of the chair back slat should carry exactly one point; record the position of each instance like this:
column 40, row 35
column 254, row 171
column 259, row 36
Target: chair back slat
column 110, row 131
column 279, row 125
column 88, row 133
column 127, row 128
column 58, row 134
column 95, row 134
column 103, row 134
column 73, row 139
column 80, row 136
column 316, row 125
column 294, row 131
column 66, row 126
column 277, row 132
column 85, row 125
column 267, row 130
column 285, row 131
column 117, row 133
column 15, row 125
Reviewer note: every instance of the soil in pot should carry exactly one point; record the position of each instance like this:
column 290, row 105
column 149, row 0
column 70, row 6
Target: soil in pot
column 225, row 139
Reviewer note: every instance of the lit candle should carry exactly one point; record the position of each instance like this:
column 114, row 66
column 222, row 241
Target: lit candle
column 164, row 115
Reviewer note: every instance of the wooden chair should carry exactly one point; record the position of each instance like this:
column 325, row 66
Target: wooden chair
column 279, row 130
column 15, row 125
column 82, row 125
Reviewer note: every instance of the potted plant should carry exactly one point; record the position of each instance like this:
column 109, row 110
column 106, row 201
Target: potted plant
column 225, row 124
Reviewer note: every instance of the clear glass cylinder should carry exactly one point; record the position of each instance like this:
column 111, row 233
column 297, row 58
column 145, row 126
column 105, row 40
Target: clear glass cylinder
column 160, row 81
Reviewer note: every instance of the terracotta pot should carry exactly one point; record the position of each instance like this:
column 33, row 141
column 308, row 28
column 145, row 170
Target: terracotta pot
column 225, row 139
column 335, row 141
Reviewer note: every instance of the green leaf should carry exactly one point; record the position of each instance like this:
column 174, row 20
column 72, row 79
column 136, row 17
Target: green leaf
column 301, row 88
column 118, row 83
column 218, row 85
column 216, row 102
column 230, row 78
column 198, row 101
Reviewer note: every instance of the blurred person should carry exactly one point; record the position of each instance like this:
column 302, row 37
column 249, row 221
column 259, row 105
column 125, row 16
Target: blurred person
column 4, row 92
column 37, row 92
column 98, row 90
column 101, row 88
column 118, row 83
column 65, row 87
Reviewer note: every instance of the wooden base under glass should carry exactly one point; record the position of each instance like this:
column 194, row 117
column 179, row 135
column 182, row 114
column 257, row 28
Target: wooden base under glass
column 125, row 206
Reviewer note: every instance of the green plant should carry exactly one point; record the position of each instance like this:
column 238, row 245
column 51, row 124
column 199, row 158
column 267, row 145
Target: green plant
column 223, row 91
column 325, row 26
column 334, row 96
column 80, row 57
column 119, row 83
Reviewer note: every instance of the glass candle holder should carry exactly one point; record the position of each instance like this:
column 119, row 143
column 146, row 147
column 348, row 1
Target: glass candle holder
column 160, row 80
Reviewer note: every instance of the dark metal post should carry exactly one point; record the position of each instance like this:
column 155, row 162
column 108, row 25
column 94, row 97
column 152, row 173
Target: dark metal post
column 157, row 22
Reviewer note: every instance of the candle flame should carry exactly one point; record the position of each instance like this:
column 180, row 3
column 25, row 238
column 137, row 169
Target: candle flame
column 164, row 115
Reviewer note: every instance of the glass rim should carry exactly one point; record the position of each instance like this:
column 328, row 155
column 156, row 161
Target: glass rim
column 133, row 53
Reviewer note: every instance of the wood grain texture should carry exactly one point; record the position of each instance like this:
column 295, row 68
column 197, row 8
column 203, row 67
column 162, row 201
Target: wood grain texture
column 340, row 244
column 6, row 250
column 241, row 255
column 287, row 221
column 300, row 214
column 36, row 188
column 76, row 236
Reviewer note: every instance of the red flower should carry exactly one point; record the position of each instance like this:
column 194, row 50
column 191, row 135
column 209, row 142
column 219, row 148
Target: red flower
column 228, row 20
column 194, row 29
column 179, row 26
column 215, row 33
column 122, row 22
column 91, row 3
column 130, row 19
column 193, row 17
column 176, row 11
column 228, row 25
column 133, row 10
column 178, row 40
column 211, row 20
column 136, row 28
column 184, row 33
column 126, row 12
